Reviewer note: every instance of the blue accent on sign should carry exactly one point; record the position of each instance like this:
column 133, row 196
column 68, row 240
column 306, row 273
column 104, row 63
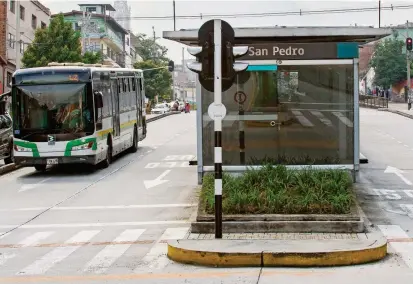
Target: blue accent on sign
column 347, row 50
column 262, row 68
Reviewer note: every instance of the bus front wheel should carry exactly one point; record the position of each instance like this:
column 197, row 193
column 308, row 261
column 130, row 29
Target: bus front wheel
column 106, row 162
column 134, row 147
column 40, row 168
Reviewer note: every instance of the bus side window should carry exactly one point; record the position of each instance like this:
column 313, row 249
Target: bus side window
column 133, row 93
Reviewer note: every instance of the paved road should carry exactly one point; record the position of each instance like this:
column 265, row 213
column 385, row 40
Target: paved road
column 110, row 228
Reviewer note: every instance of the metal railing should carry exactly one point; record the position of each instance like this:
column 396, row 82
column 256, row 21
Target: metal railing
column 373, row 101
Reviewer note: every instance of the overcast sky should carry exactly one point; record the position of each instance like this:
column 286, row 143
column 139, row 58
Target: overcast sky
column 195, row 7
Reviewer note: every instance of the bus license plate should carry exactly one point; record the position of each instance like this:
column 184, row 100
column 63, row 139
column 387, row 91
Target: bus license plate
column 52, row 161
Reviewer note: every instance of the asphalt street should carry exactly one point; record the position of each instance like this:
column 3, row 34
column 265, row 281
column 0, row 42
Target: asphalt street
column 110, row 226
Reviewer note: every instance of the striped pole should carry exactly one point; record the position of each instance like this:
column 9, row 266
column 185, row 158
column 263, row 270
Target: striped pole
column 241, row 130
column 218, row 129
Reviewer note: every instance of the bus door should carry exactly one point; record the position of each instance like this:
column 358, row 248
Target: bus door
column 115, row 107
column 139, row 103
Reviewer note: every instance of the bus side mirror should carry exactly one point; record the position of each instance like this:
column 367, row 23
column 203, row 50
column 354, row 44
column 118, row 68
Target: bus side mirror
column 98, row 99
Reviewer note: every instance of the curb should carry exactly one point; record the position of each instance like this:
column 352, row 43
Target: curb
column 162, row 116
column 398, row 112
column 278, row 253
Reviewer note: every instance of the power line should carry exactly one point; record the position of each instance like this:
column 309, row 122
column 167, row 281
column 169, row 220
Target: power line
column 273, row 14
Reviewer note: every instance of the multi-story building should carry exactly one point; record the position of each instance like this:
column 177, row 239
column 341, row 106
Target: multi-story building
column 3, row 36
column 100, row 32
column 23, row 18
column 122, row 13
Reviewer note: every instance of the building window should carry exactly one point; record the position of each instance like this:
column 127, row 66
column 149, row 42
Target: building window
column 34, row 22
column 77, row 27
column 9, row 79
column 91, row 9
column 22, row 12
column 12, row 6
column 11, row 40
column 127, row 41
column 21, row 47
column 43, row 25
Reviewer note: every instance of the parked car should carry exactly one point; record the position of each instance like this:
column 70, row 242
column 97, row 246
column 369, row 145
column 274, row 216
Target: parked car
column 160, row 109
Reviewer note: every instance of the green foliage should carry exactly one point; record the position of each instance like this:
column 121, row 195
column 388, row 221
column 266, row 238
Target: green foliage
column 389, row 62
column 57, row 43
column 92, row 57
column 278, row 190
column 148, row 49
column 157, row 82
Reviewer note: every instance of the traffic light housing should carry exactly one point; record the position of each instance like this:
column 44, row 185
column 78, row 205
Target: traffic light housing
column 204, row 54
column 171, row 66
column 409, row 44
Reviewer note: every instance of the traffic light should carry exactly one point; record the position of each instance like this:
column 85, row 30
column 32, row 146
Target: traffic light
column 204, row 54
column 409, row 44
column 171, row 66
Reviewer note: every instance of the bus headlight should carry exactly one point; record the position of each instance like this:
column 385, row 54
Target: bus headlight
column 22, row 149
column 85, row 146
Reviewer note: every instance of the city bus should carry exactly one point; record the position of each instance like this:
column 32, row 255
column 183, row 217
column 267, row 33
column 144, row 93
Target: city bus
column 70, row 113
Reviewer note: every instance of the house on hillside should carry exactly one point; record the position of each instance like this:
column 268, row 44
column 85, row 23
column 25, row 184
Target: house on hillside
column 101, row 33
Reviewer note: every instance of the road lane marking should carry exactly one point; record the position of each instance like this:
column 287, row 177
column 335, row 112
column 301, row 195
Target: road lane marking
column 321, row 117
column 179, row 158
column 4, row 257
column 47, row 261
column 302, row 119
column 404, row 249
column 35, row 239
column 168, row 165
column 106, row 257
column 343, row 118
column 80, row 225
column 156, row 258
column 30, row 186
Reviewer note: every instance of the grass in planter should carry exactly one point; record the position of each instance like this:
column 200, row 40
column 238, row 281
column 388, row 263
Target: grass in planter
column 278, row 190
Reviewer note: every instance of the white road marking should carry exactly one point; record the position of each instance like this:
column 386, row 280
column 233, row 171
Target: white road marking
column 406, row 145
column 179, row 158
column 35, row 238
column 343, row 118
column 408, row 208
column 321, row 117
column 3, row 236
column 140, row 206
column 47, row 261
column 106, row 257
column 404, row 249
column 80, row 225
column 156, row 258
column 168, row 165
column 302, row 119
column 6, row 256
column 26, row 187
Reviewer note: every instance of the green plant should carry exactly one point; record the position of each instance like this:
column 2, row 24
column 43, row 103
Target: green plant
column 279, row 190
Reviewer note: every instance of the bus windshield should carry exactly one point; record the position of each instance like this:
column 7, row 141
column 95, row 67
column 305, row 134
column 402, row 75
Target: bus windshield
column 61, row 108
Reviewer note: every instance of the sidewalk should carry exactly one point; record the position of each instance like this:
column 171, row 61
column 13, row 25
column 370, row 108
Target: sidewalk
column 279, row 249
column 399, row 108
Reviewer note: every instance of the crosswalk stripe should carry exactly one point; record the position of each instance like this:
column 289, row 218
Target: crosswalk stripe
column 6, row 256
column 302, row 119
column 35, row 238
column 405, row 250
column 343, row 118
column 156, row 257
column 321, row 117
column 46, row 262
column 106, row 257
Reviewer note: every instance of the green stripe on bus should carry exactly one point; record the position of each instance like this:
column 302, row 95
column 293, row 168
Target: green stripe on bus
column 78, row 142
column 29, row 145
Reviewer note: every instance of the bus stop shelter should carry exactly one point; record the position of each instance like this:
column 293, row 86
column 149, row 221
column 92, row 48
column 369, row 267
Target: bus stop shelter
column 297, row 103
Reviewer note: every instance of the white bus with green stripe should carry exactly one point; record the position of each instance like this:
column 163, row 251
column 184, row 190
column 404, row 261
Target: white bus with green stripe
column 76, row 113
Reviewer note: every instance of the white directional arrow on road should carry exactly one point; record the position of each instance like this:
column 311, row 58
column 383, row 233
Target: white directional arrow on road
column 397, row 172
column 158, row 181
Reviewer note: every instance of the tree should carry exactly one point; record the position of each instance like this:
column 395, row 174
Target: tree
column 158, row 81
column 92, row 57
column 56, row 43
column 389, row 62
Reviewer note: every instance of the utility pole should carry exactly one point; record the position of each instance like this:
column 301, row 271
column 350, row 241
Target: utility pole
column 408, row 61
column 174, row 16
column 379, row 13
column 17, row 43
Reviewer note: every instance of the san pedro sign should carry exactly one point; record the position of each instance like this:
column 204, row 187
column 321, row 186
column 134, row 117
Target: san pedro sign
column 268, row 51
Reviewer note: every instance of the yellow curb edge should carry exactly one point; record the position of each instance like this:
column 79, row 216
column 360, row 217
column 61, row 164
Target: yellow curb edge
column 332, row 258
column 216, row 259
column 280, row 259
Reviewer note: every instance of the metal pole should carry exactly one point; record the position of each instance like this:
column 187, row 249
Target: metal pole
column 218, row 129
column 379, row 14
column 407, row 62
column 17, row 43
column 174, row 16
